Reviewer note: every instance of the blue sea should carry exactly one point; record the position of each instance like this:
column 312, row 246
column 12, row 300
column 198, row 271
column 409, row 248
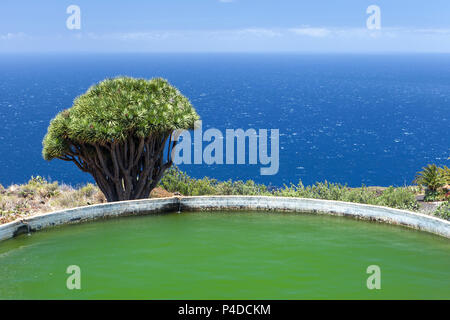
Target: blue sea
column 355, row 119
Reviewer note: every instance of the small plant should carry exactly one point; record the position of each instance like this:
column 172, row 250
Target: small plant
column 443, row 211
column 38, row 180
column 49, row 190
column 88, row 190
column 26, row 191
column 38, row 187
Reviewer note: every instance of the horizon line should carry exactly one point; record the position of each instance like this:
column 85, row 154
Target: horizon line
column 229, row 52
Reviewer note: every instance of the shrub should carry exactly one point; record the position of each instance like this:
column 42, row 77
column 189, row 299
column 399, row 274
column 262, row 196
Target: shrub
column 67, row 200
column 443, row 211
column 27, row 191
column 400, row 198
column 38, row 180
column 176, row 180
column 360, row 195
column 88, row 190
column 433, row 195
column 49, row 190
column 38, row 186
column 240, row 188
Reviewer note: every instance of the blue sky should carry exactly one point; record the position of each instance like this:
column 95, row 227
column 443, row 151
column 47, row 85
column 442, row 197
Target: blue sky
column 225, row 26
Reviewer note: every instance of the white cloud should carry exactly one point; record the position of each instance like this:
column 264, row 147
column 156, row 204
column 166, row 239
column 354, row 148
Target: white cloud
column 268, row 33
column 301, row 38
column 311, row 32
column 155, row 35
column 159, row 35
column 434, row 31
column 388, row 32
column 11, row 36
column 258, row 32
column 322, row 32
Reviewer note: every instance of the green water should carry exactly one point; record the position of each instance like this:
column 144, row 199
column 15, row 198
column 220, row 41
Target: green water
column 221, row 255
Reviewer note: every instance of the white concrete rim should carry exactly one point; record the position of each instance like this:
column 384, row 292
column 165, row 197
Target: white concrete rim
column 388, row 215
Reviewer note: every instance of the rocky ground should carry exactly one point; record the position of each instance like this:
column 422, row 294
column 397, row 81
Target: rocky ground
column 19, row 201
column 429, row 207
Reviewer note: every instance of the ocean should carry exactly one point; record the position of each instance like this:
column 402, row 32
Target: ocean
column 354, row 119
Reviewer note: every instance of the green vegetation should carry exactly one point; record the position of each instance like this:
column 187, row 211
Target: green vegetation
column 38, row 186
column 433, row 178
column 401, row 198
column 445, row 174
column 39, row 195
column 430, row 177
column 177, row 181
column 443, row 211
column 117, row 132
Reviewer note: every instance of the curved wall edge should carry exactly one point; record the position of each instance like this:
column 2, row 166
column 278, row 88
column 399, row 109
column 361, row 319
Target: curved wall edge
column 267, row 203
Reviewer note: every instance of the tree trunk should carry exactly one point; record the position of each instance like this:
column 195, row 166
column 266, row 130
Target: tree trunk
column 128, row 169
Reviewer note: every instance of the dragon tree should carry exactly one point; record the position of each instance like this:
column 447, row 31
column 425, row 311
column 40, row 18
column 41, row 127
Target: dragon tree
column 120, row 131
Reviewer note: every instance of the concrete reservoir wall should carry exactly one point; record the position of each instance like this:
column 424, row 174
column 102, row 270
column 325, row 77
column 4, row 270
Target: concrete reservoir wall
column 148, row 206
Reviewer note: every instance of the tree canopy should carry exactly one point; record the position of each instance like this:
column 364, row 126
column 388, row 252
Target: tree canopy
column 113, row 109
